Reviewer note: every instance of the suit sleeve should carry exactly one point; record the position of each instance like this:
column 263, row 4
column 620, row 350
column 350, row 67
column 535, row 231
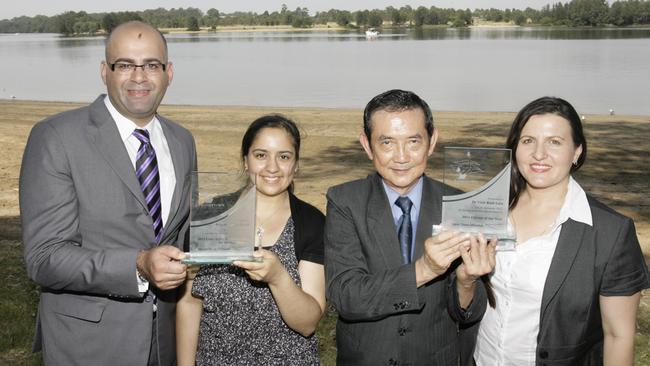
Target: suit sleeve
column 356, row 293
column 476, row 308
column 625, row 272
column 53, row 249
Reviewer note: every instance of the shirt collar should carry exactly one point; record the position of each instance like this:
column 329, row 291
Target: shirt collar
column 415, row 194
column 124, row 125
column 576, row 205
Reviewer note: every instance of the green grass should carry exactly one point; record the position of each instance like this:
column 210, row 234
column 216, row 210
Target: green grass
column 327, row 337
column 18, row 304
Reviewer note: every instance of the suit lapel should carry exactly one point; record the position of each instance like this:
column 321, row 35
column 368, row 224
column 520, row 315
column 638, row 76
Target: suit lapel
column 429, row 215
column 110, row 144
column 380, row 223
column 568, row 244
column 178, row 159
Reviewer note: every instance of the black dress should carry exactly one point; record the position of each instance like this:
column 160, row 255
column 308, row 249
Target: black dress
column 241, row 323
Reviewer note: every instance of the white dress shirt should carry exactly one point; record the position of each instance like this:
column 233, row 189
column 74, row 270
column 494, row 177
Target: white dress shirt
column 159, row 143
column 508, row 333
column 165, row 165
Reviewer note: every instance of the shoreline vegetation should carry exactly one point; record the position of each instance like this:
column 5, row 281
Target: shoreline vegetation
column 575, row 13
column 615, row 172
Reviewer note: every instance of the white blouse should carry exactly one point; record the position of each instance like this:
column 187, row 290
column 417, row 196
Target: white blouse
column 508, row 333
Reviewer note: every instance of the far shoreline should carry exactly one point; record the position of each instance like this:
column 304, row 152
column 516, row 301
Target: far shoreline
column 163, row 106
column 330, row 27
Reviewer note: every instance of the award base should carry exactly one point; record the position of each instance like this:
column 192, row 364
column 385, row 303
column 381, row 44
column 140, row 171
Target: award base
column 505, row 241
column 213, row 258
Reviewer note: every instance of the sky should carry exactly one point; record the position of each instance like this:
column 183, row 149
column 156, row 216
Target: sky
column 10, row 9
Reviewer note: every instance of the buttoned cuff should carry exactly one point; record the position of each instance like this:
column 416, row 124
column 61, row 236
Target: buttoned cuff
column 143, row 284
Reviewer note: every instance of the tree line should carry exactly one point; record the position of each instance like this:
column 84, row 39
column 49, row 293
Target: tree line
column 573, row 13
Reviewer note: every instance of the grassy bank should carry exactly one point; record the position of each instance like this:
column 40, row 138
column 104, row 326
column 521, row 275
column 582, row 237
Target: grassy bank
column 615, row 172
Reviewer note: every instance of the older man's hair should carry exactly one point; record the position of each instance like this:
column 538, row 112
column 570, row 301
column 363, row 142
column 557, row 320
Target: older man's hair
column 396, row 100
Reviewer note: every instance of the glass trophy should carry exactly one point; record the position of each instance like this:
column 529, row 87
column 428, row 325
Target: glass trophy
column 222, row 218
column 483, row 175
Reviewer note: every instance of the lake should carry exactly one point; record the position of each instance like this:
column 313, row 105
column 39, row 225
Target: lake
column 477, row 69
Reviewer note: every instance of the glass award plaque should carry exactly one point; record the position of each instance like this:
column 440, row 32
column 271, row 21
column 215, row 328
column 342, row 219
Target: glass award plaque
column 222, row 218
column 483, row 175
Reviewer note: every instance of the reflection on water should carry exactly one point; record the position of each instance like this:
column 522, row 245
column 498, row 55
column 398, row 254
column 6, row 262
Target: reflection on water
column 523, row 33
column 453, row 69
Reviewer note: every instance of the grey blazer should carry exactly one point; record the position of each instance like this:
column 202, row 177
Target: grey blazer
column 589, row 261
column 84, row 220
column 384, row 319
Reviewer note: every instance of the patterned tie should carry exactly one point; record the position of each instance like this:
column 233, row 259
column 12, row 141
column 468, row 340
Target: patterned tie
column 405, row 228
column 146, row 169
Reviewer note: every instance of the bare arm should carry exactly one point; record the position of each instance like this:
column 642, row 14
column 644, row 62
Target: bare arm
column 301, row 308
column 188, row 316
column 619, row 324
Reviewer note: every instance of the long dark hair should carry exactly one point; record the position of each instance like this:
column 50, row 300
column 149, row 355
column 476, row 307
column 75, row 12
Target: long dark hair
column 543, row 105
column 271, row 121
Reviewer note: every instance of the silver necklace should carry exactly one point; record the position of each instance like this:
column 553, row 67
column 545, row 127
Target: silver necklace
column 259, row 232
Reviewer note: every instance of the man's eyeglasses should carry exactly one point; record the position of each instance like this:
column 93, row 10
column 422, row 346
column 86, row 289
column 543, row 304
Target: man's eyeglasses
column 127, row 68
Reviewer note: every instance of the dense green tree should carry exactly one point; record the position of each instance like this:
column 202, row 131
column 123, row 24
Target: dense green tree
column 66, row 22
column 375, row 19
column 211, row 18
column 462, row 18
column 588, row 12
column 109, row 22
column 343, row 17
column 395, row 15
column 519, row 17
column 193, row 24
column 572, row 13
column 300, row 18
column 408, row 14
column 24, row 24
column 623, row 13
column 86, row 27
column 420, row 16
column 362, row 17
column 436, row 16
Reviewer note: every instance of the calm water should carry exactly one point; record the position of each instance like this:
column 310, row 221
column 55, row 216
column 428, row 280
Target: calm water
column 453, row 69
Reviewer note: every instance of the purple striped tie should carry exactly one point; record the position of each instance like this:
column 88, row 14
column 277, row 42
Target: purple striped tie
column 146, row 169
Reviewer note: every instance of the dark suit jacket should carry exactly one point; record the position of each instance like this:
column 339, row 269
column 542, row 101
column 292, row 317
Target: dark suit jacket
column 384, row 319
column 589, row 261
column 84, row 220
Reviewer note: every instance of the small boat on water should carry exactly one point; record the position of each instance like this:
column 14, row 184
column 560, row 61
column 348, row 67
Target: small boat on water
column 372, row 33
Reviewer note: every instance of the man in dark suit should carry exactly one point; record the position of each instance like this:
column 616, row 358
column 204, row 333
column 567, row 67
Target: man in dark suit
column 104, row 207
column 400, row 293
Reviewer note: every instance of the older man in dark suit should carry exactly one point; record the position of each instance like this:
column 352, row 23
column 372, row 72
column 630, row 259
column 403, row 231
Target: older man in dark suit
column 400, row 293
column 104, row 207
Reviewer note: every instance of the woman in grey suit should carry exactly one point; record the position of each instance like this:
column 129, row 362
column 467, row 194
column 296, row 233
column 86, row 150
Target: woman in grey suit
column 569, row 293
